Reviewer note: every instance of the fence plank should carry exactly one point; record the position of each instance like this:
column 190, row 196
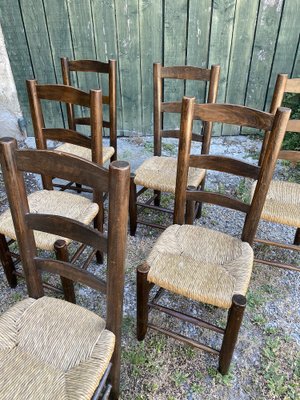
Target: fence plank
column 129, row 59
column 220, row 42
column 296, row 69
column 39, row 47
column 151, row 51
column 18, row 52
column 240, row 57
column 175, row 40
column 106, row 45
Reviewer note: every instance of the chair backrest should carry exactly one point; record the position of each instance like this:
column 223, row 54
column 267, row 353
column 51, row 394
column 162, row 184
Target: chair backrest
column 234, row 115
column 284, row 85
column 68, row 95
column 185, row 73
column 114, row 181
column 110, row 99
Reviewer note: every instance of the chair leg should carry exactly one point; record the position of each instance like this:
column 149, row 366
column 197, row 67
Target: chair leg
column 199, row 205
column 7, row 262
column 235, row 317
column 132, row 207
column 143, row 289
column 114, row 376
column 297, row 237
column 157, row 198
column 61, row 252
column 98, row 224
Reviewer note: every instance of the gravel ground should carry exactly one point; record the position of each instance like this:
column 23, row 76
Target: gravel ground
column 266, row 363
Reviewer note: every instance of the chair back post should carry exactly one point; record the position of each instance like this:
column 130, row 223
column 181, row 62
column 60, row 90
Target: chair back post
column 17, row 197
column 266, row 172
column 96, row 126
column 186, row 127
column 67, row 81
column 211, row 98
column 119, row 178
column 277, row 98
column 38, row 124
column 112, row 72
column 157, row 115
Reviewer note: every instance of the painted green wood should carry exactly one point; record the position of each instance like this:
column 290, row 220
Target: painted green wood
column 175, row 40
column 263, row 52
column 59, row 31
column 296, row 69
column 198, row 43
column 105, row 32
column 240, row 55
column 129, row 60
column 40, row 52
column 18, row 52
column 151, row 51
column 197, row 47
column 286, row 45
column 220, row 42
column 137, row 33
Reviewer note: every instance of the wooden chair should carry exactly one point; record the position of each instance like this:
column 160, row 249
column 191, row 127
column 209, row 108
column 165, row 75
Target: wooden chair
column 109, row 69
column 50, row 348
column 75, row 143
column 199, row 263
column 58, row 202
column 282, row 202
column 159, row 173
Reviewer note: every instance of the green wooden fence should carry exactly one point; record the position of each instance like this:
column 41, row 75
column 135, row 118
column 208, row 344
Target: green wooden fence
column 253, row 41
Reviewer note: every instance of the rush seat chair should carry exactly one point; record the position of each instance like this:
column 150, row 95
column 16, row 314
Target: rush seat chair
column 50, row 348
column 109, row 69
column 202, row 264
column 158, row 173
column 282, row 205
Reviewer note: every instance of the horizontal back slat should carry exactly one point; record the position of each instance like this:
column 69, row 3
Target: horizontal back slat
column 67, row 228
column 176, row 133
column 67, row 135
column 293, row 125
column 293, row 85
column 174, row 107
column 50, row 163
column 71, row 272
column 225, row 164
column 218, row 199
column 64, row 93
column 290, row 155
column 185, row 72
column 88, row 66
column 234, row 115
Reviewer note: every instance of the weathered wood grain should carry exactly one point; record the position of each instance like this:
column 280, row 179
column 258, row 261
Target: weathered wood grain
column 151, row 25
column 39, row 45
column 129, row 61
column 240, row 56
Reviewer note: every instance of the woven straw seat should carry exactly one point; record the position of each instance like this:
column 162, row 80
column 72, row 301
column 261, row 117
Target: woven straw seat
column 85, row 152
column 44, row 362
column 159, row 173
column 282, row 204
column 52, row 202
column 201, row 264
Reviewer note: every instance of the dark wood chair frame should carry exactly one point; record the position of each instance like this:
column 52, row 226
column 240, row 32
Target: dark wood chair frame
column 283, row 85
column 98, row 67
column 160, row 73
column 115, row 182
column 68, row 95
column 184, row 210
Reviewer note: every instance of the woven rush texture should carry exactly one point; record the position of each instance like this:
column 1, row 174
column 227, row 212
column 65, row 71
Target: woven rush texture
column 84, row 152
column 52, row 350
column 52, row 202
column 159, row 173
column 201, row 264
column 282, row 204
